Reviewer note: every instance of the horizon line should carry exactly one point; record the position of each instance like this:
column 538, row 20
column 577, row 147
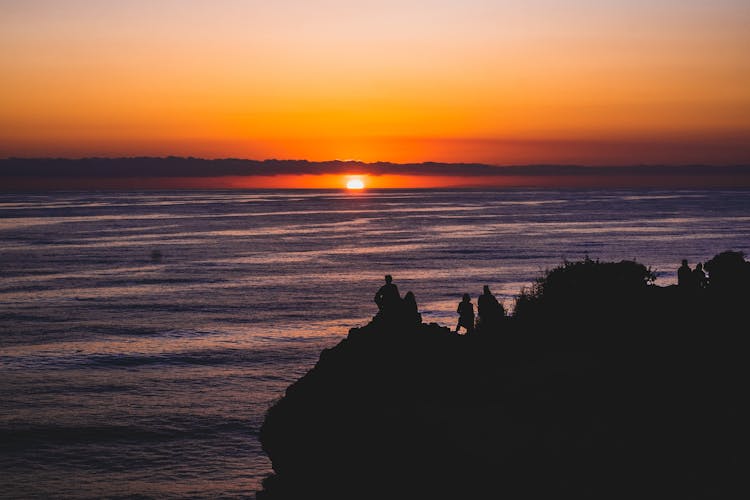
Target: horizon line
column 198, row 173
column 373, row 163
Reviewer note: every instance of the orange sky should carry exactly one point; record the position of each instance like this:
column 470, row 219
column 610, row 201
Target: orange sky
column 585, row 82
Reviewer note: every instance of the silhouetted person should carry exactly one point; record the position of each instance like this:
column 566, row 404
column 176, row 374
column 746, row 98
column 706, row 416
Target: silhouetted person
column 465, row 314
column 387, row 297
column 685, row 275
column 489, row 310
column 409, row 311
column 699, row 276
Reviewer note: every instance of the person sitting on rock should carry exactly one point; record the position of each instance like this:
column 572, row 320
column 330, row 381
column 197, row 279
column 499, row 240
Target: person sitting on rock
column 387, row 297
column 410, row 312
column 465, row 314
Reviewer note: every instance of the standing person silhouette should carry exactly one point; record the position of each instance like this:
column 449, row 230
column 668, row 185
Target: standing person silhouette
column 465, row 314
column 699, row 276
column 387, row 297
column 489, row 310
column 684, row 275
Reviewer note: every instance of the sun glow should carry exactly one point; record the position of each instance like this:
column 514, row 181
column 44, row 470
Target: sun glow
column 355, row 183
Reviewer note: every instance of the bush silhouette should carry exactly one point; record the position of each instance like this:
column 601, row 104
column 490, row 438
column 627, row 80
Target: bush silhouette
column 728, row 271
column 585, row 286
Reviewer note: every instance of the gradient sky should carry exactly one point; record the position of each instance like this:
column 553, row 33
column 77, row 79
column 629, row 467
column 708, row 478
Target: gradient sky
column 541, row 81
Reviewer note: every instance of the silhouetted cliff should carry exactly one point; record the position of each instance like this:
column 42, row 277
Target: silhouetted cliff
column 602, row 385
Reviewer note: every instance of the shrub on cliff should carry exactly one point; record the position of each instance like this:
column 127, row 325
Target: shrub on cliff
column 728, row 271
column 586, row 286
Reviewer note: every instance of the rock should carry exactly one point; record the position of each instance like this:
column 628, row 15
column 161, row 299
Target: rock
column 639, row 396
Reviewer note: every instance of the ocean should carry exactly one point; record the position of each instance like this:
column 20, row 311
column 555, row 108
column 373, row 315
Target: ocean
column 143, row 335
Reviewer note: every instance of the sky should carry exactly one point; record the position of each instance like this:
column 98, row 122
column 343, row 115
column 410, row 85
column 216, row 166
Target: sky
column 582, row 82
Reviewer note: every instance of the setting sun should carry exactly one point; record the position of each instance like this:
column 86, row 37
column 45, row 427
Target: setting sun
column 355, row 183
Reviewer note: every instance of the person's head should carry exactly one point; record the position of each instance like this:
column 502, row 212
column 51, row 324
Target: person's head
column 466, row 297
column 487, row 289
column 684, row 262
column 409, row 297
column 699, row 266
column 388, row 278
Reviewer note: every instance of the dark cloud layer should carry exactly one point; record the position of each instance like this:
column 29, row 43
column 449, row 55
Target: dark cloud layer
column 195, row 167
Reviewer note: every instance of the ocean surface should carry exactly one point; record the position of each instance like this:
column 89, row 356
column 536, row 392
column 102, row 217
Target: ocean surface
column 143, row 335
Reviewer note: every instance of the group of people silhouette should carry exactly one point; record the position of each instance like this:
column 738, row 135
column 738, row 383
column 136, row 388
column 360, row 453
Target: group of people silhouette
column 490, row 312
column 691, row 279
column 391, row 306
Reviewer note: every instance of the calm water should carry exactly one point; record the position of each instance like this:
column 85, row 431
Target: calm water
column 122, row 374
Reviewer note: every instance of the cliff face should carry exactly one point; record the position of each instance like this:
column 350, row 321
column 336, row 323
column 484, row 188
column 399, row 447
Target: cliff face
column 637, row 393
